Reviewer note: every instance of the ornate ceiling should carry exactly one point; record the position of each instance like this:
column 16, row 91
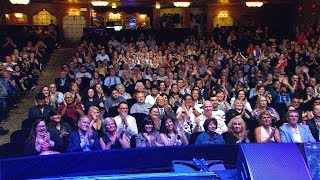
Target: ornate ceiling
column 164, row 3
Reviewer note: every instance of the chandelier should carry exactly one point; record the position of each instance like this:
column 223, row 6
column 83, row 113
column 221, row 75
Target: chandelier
column 99, row 3
column 223, row 15
column 20, row 1
column 181, row 4
column 254, row 3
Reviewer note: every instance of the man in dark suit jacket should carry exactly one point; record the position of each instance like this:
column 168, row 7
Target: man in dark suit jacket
column 83, row 139
column 314, row 123
column 63, row 83
column 164, row 109
column 40, row 110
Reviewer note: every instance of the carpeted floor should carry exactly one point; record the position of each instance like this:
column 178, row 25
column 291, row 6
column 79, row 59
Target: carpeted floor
column 51, row 71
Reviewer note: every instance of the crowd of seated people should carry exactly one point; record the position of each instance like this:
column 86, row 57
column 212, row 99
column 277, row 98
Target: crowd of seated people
column 22, row 58
column 130, row 93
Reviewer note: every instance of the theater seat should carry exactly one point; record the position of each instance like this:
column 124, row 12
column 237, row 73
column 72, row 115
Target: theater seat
column 19, row 136
column 113, row 111
column 133, row 141
column 11, row 150
column 139, row 119
column 193, row 137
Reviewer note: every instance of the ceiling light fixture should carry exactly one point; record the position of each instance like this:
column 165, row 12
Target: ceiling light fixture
column 99, row 3
column 18, row 15
column 182, row 4
column 254, row 3
column 20, row 1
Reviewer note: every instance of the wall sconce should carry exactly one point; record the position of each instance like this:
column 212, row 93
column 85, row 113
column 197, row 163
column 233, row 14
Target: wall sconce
column 114, row 5
column 223, row 15
column 143, row 16
column 7, row 16
column 18, row 15
column 158, row 5
column 114, row 16
column 73, row 12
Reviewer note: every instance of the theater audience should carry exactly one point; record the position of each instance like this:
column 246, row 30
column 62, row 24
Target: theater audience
column 40, row 141
column 91, row 99
column 314, row 123
column 113, row 139
column 83, row 139
column 154, row 116
column 71, row 108
column 209, row 136
column 211, row 69
column 266, row 133
column 149, row 137
column 172, row 135
column 294, row 131
column 40, row 110
column 58, row 128
column 126, row 123
column 95, row 117
column 113, row 100
column 140, row 106
column 236, row 132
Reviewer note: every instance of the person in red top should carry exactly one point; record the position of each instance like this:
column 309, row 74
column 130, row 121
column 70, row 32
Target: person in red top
column 71, row 108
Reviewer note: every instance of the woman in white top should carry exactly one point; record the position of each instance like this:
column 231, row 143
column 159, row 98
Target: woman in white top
column 266, row 133
column 241, row 96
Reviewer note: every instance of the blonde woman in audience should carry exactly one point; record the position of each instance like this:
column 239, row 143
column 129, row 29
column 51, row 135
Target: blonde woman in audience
column 266, row 133
column 237, row 132
column 95, row 120
column 112, row 139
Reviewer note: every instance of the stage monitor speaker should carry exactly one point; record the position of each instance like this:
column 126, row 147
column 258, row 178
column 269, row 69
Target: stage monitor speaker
column 312, row 151
column 271, row 161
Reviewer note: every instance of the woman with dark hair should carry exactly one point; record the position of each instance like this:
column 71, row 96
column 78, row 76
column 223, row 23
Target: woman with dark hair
column 58, row 128
column 91, row 99
column 149, row 137
column 112, row 139
column 40, row 141
column 209, row 136
column 171, row 135
column 49, row 100
column 155, row 117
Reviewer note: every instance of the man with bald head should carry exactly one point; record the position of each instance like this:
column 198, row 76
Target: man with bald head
column 314, row 123
column 208, row 113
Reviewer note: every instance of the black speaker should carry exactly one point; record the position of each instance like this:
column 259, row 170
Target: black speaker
column 271, row 161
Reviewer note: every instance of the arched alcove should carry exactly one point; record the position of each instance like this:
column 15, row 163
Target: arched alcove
column 73, row 27
column 222, row 19
column 44, row 18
